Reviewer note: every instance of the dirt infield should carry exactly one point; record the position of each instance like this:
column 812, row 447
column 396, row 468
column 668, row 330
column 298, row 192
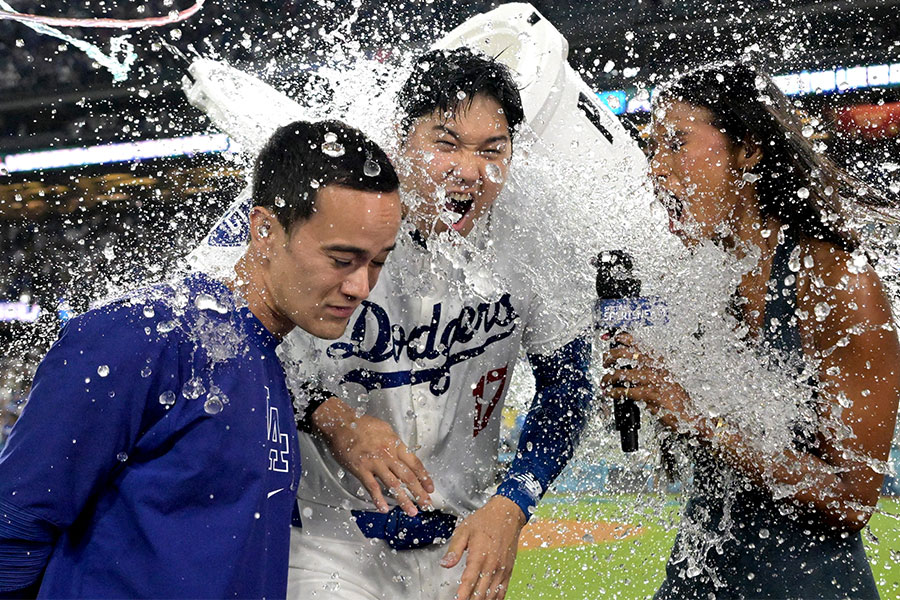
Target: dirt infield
column 559, row 533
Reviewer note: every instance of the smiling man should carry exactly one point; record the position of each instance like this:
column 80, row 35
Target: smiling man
column 405, row 458
column 156, row 457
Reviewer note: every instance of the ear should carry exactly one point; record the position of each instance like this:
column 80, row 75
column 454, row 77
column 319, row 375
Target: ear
column 749, row 155
column 263, row 225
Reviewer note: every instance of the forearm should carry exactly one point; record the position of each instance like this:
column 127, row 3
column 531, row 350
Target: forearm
column 553, row 425
column 332, row 416
column 811, row 480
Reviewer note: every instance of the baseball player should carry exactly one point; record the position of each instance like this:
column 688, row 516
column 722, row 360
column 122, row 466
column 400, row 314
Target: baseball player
column 156, row 456
column 399, row 497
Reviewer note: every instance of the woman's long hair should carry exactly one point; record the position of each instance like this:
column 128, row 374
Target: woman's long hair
column 796, row 184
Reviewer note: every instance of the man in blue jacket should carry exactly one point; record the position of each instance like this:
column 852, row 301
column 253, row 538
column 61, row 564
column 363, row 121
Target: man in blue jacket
column 157, row 456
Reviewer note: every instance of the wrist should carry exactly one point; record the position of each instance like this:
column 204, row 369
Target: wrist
column 333, row 417
column 524, row 490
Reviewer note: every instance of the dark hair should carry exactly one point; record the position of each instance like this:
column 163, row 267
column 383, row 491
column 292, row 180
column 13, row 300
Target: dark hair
column 797, row 184
column 302, row 157
column 439, row 76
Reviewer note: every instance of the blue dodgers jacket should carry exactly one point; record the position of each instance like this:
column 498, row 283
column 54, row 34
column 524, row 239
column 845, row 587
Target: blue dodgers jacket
column 156, row 457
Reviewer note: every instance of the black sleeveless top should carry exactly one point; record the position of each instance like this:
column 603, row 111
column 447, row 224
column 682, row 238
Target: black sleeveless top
column 775, row 549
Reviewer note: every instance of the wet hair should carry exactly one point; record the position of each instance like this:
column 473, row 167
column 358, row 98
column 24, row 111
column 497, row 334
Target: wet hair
column 439, row 76
column 303, row 157
column 798, row 185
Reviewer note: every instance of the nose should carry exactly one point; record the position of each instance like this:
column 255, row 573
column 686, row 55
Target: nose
column 467, row 168
column 357, row 285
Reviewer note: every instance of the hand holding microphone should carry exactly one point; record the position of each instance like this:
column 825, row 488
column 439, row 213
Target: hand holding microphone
column 620, row 307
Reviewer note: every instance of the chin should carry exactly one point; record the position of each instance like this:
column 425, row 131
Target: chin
column 324, row 329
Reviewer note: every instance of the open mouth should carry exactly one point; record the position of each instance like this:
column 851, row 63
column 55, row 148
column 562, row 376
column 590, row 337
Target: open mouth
column 460, row 205
column 673, row 204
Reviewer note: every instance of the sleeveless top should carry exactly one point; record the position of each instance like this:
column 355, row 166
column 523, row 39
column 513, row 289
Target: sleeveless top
column 776, row 549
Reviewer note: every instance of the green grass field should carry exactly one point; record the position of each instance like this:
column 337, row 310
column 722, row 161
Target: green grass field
column 634, row 567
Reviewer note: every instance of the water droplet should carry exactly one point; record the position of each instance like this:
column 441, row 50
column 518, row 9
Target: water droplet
column 193, row 389
column 460, row 95
column 146, row 371
column 808, row 261
column 279, row 201
column 803, row 193
column 121, row 457
column 207, row 302
column 808, row 131
column 331, row 146
column 167, row 398
column 213, row 405
column 371, row 168
column 314, row 184
column 148, row 311
column 306, row 512
column 764, row 533
column 822, row 310
column 103, row 370
column 165, row 326
column 256, row 515
column 493, row 173
column 175, row 34
column 750, row 177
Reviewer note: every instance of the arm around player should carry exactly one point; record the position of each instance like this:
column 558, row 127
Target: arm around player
column 552, row 427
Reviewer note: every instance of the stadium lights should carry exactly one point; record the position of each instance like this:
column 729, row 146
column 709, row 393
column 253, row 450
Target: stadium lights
column 112, row 153
column 619, row 102
column 793, row 84
column 20, row 312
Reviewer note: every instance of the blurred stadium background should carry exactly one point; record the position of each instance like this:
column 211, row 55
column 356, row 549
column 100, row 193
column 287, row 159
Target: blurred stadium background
column 102, row 183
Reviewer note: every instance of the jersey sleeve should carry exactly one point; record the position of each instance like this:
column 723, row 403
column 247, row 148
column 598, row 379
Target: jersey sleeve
column 84, row 414
column 553, row 425
column 552, row 325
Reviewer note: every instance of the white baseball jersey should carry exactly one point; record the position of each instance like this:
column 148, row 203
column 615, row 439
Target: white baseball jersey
column 432, row 358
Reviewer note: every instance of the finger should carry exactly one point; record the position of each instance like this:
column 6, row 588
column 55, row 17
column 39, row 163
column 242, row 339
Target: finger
column 623, row 338
column 408, row 477
column 470, row 577
column 642, row 395
column 483, row 588
column 371, row 484
column 395, row 487
column 458, row 542
column 615, row 359
column 412, row 461
column 634, row 377
column 498, row 584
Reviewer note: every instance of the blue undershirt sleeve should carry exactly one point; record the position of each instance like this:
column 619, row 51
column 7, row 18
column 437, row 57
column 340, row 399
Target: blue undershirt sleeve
column 83, row 415
column 553, row 425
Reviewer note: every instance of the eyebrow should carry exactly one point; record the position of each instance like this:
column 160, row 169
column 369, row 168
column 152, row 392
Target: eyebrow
column 490, row 140
column 353, row 249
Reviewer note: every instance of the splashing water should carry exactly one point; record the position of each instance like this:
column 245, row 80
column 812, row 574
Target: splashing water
column 121, row 56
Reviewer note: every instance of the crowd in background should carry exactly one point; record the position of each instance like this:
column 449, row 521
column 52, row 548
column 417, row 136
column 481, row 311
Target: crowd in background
column 62, row 262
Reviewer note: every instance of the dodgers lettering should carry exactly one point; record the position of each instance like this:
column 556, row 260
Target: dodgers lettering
column 428, row 342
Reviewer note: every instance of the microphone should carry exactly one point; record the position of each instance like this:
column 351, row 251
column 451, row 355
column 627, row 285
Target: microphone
column 620, row 306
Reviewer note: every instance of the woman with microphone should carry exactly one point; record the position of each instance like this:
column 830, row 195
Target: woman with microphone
column 733, row 167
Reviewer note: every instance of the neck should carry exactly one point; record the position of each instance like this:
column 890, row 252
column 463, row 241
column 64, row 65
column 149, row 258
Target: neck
column 251, row 285
column 747, row 226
